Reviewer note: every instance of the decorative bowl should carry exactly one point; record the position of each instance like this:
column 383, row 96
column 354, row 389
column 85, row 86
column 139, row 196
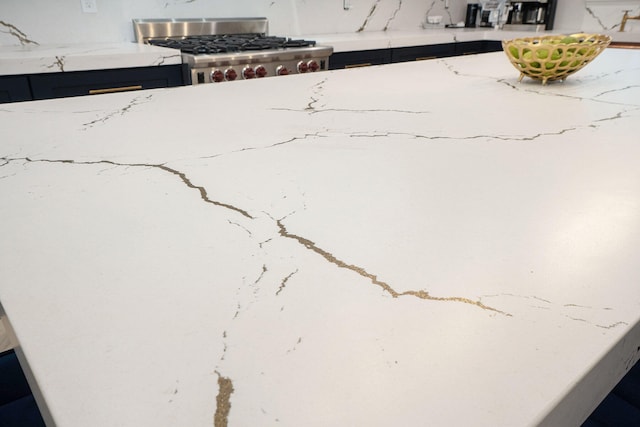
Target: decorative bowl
column 553, row 57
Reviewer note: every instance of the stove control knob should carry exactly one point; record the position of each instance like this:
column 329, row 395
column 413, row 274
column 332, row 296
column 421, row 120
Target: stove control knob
column 217, row 76
column 302, row 67
column 230, row 74
column 313, row 65
column 248, row 73
column 282, row 70
column 261, row 71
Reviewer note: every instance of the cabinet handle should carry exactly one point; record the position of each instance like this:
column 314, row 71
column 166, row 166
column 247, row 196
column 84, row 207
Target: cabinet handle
column 623, row 45
column 114, row 89
column 423, row 58
column 366, row 64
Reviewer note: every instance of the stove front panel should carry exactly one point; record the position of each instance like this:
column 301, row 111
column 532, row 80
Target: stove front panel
column 212, row 69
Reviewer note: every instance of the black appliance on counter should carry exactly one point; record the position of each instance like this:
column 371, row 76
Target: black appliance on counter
column 472, row 15
column 487, row 13
column 520, row 15
column 532, row 15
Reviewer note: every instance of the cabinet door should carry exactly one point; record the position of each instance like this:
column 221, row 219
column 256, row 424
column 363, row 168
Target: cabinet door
column 480, row 46
column 14, row 88
column 418, row 53
column 361, row 58
column 76, row 83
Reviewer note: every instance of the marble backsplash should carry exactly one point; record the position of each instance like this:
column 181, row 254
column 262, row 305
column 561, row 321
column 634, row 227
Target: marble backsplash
column 25, row 22
column 607, row 14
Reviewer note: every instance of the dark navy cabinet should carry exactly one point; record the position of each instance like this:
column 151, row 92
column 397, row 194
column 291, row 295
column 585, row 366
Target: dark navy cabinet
column 418, row 53
column 17, row 405
column 14, row 88
column 77, row 83
column 621, row 407
column 480, row 46
column 361, row 58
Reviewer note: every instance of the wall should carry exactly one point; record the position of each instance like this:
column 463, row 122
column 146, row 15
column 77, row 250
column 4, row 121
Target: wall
column 47, row 22
column 41, row 22
column 607, row 14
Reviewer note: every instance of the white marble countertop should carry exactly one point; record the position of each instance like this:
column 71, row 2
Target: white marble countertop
column 33, row 59
column 392, row 39
column 454, row 248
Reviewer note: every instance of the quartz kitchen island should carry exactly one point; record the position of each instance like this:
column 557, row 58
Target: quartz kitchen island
column 427, row 243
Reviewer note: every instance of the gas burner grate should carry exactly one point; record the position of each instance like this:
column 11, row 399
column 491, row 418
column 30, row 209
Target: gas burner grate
column 299, row 43
column 229, row 43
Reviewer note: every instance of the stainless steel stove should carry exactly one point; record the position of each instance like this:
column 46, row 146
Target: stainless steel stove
column 225, row 49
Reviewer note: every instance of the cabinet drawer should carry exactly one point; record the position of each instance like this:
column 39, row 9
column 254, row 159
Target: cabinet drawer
column 76, row 83
column 361, row 58
column 417, row 53
column 480, row 46
column 14, row 88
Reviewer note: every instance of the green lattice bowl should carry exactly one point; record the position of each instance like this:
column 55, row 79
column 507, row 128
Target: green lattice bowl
column 553, row 57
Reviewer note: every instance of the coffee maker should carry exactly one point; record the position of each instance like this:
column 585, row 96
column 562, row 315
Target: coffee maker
column 489, row 13
column 530, row 15
column 520, row 15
